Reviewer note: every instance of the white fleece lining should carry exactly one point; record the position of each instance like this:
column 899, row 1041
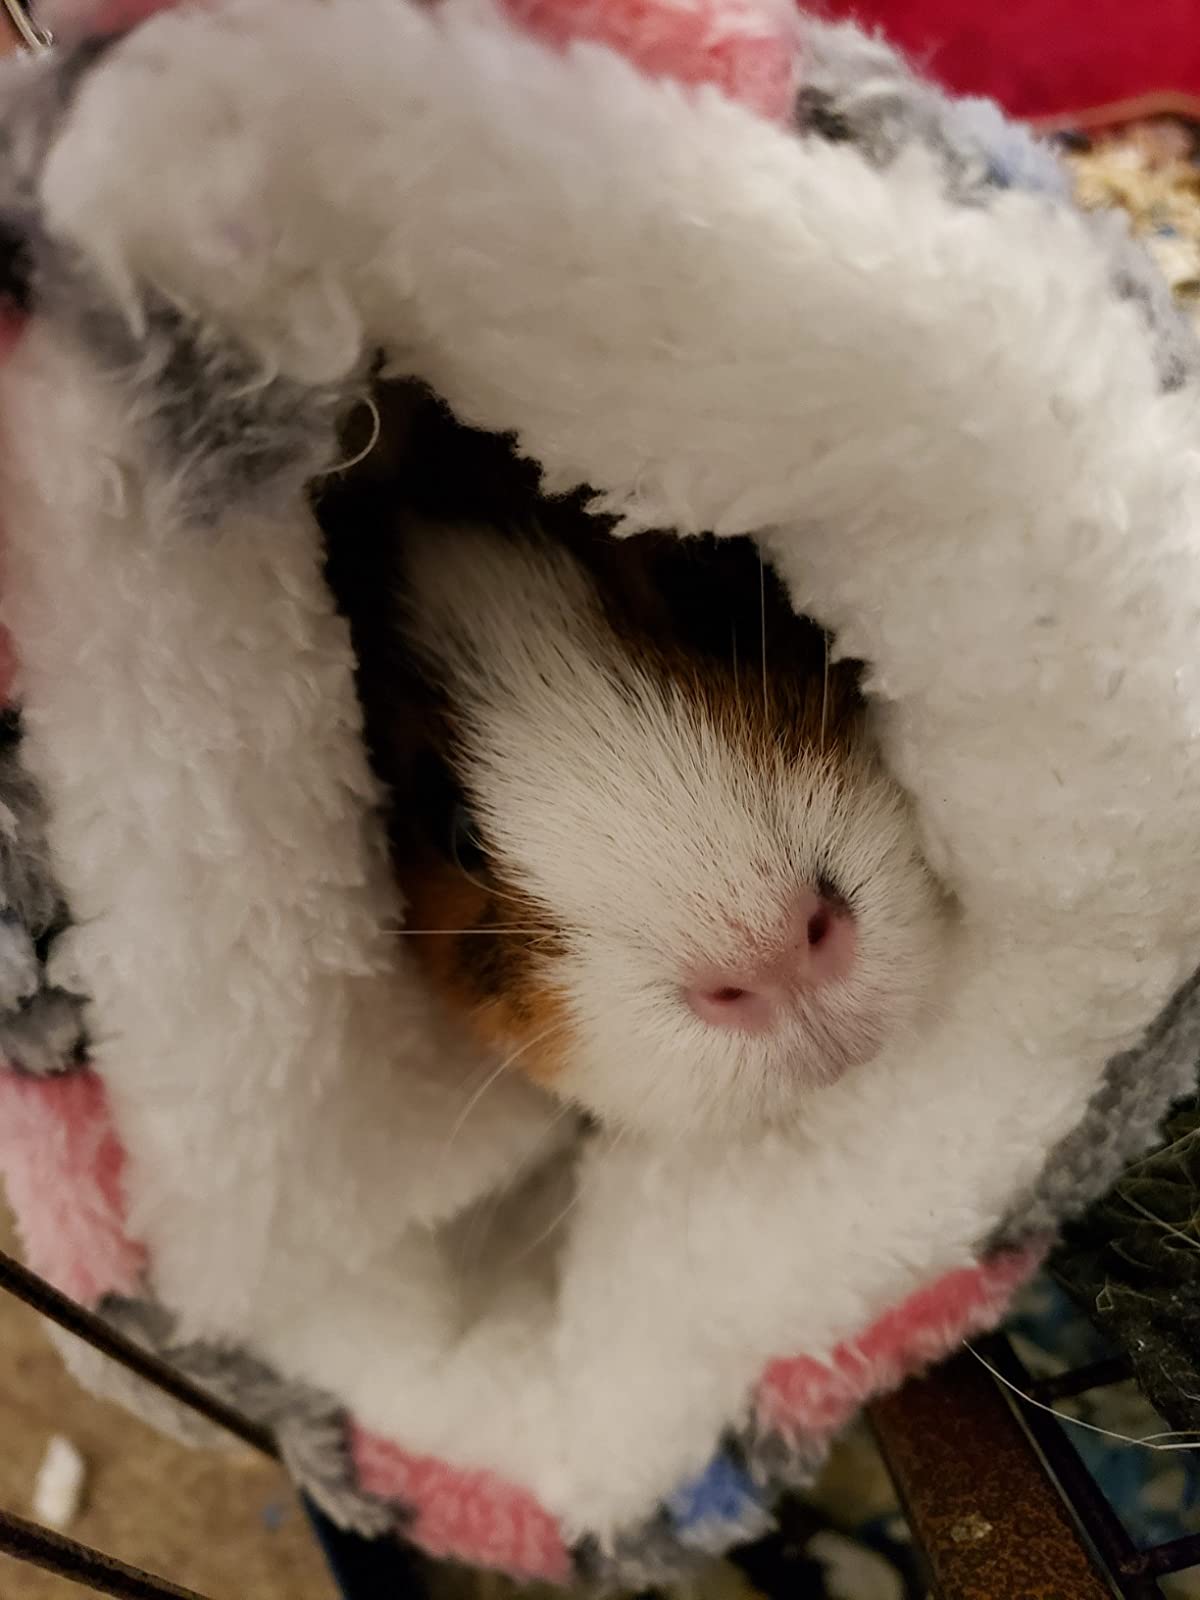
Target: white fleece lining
column 231, row 895
column 956, row 437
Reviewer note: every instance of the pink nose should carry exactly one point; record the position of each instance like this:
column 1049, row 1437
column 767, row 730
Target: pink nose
column 817, row 948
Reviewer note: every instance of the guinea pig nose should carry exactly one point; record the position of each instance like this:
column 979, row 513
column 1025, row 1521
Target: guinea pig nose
column 817, row 947
column 822, row 938
column 734, row 1006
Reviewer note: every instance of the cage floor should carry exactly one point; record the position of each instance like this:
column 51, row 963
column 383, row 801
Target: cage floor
column 227, row 1526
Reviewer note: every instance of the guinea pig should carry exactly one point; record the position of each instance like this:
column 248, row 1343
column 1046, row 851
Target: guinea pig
column 648, row 849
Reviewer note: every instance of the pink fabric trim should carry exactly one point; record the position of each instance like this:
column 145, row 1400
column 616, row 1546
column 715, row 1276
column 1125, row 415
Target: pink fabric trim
column 62, row 1167
column 739, row 46
column 63, row 1164
column 475, row 1517
column 744, row 49
column 469, row 1515
column 810, row 1397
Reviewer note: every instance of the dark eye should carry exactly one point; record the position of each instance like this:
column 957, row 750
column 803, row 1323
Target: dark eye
column 436, row 802
column 465, row 847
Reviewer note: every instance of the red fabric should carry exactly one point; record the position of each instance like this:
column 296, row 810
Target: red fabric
column 1044, row 58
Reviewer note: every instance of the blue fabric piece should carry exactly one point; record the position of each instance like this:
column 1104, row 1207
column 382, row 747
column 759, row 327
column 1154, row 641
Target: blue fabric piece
column 1016, row 160
column 722, row 1494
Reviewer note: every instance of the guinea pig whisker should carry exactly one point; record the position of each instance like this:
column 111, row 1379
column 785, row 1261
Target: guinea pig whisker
column 825, row 694
column 461, row 1120
column 556, row 1222
column 762, row 604
column 493, row 1077
column 483, row 1219
column 454, row 933
column 491, row 889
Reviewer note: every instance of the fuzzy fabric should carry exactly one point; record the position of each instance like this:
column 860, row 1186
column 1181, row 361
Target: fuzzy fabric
column 877, row 336
column 750, row 51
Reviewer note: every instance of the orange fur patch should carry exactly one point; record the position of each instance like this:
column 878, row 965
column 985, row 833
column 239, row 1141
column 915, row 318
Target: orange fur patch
column 487, row 950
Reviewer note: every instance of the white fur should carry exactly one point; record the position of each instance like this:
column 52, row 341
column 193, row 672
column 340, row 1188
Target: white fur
column 954, row 433
column 659, row 848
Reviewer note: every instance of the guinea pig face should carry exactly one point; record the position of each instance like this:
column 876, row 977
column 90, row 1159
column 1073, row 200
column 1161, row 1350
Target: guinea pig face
column 655, row 864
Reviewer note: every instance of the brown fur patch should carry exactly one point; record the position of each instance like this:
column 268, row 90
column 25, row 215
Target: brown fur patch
column 709, row 617
column 488, row 949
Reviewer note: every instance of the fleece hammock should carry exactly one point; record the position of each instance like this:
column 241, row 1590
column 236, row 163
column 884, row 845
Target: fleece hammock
column 734, row 271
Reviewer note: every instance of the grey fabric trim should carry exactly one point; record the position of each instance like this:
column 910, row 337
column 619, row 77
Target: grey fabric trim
column 312, row 1435
column 643, row 1559
column 1136, row 278
column 859, row 89
column 46, row 1036
column 19, row 965
column 41, row 1023
column 784, row 1464
column 714, row 1536
column 35, row 95
column 29, row 897
column 221, row 433
column 109, row 1380
column 657, row 1552
column 1121, row 1122
column 309, row 1426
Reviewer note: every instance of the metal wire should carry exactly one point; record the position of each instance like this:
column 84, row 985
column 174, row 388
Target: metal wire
column 1134, row 1571
column 93, row 1330
column 26, row 1541
column 66, row 1559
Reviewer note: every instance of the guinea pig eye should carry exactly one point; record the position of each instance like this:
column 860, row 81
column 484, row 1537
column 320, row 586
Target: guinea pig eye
column 465, row 847
column 433, row 801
